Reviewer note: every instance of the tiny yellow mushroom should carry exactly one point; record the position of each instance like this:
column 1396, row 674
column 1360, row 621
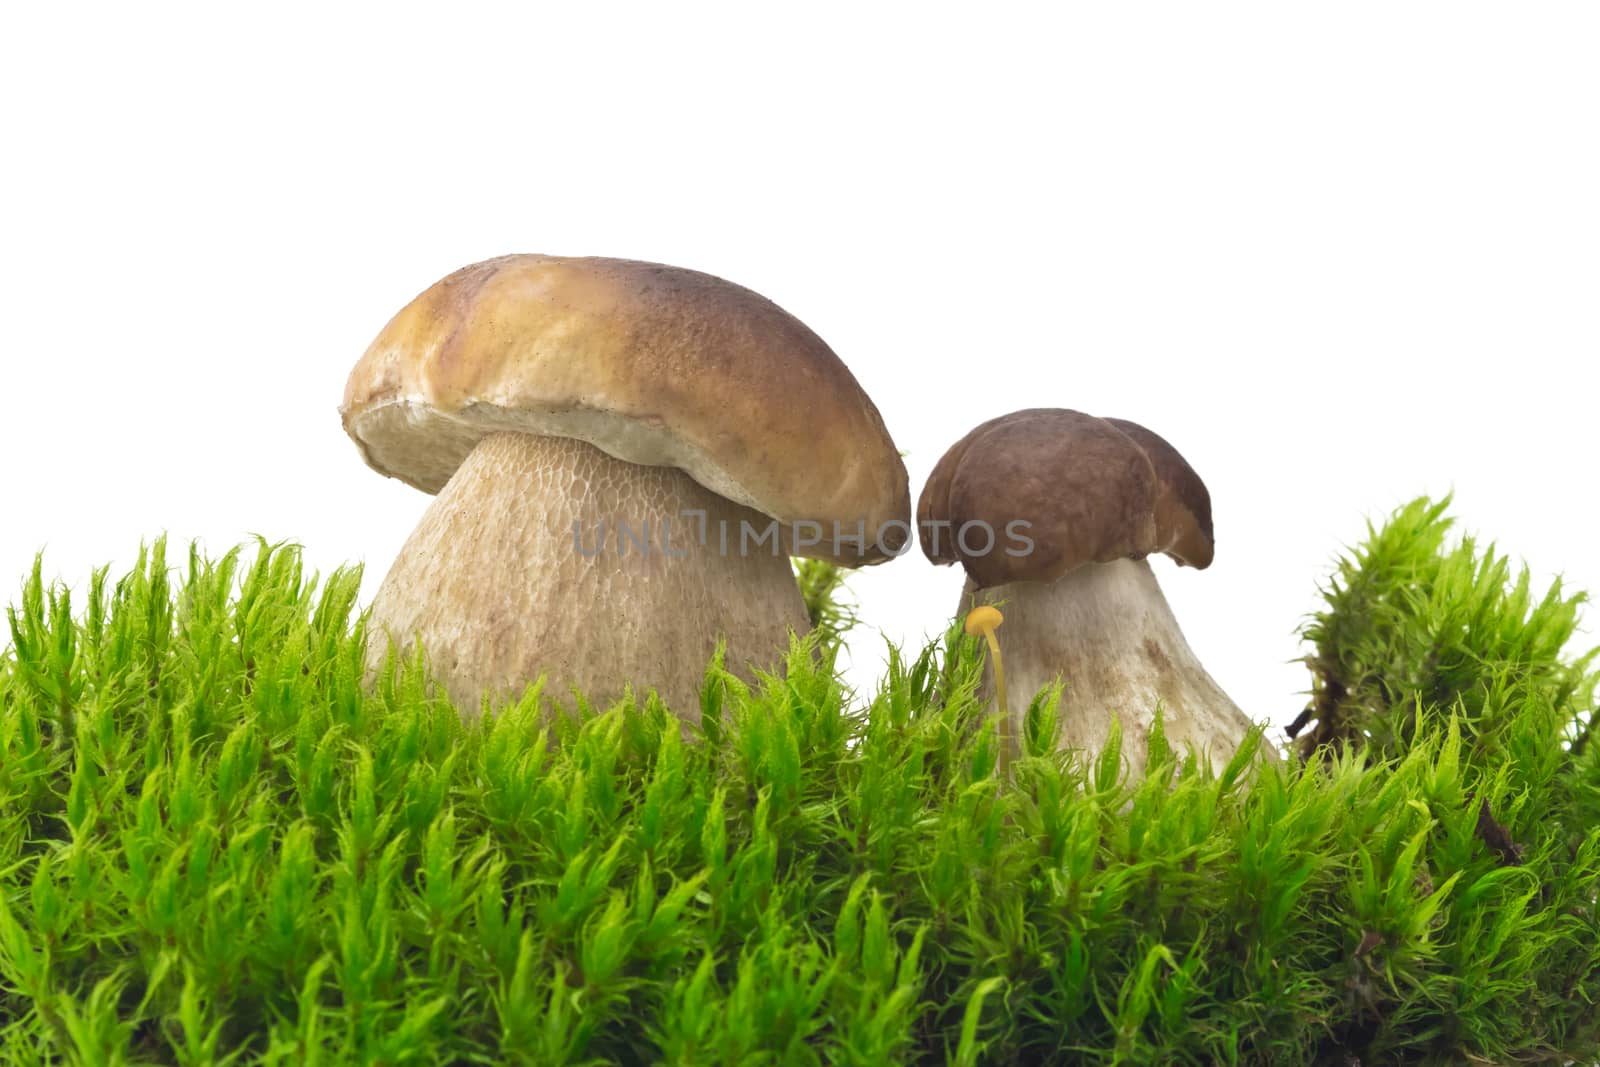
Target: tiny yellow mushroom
column 985, row 620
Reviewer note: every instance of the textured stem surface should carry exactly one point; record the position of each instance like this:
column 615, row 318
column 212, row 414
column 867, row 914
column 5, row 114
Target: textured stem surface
column 1106, row 632
column 502, row 587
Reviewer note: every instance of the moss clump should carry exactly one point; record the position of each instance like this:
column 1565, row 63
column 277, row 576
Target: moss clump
column 215, row 846
column 1411, row 625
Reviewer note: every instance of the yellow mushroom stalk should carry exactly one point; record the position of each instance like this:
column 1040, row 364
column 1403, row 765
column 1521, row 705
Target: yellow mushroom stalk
column 985, row 620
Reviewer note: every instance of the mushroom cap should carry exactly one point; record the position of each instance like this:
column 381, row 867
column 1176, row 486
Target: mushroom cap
column 982, row 619
column 1091, row 490
column 655, row 365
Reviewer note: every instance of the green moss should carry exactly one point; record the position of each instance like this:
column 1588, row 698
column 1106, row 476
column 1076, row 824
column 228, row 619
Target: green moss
column 217, row 846
column 1411, row 624
column 822, row 587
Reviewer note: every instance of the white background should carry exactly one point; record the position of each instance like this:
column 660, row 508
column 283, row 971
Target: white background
column 1338, row 257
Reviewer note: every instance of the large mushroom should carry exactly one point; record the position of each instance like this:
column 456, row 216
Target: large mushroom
column 624, row 456
column 1053, row 513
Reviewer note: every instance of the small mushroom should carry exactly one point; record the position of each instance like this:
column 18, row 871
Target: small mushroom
column 1053, row 513
column 983, row 621
column 625, row 455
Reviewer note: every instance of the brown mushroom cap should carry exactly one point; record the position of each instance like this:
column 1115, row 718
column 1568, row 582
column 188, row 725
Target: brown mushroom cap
column 655, row 365
column 1091, row 490
column 1183, row 507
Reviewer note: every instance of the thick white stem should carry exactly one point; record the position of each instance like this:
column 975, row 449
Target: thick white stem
column 509, row 576
column 1105, row 630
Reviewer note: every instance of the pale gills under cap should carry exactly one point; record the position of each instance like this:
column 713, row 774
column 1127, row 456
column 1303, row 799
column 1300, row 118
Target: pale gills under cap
column 655, row 365
column 1091, row 490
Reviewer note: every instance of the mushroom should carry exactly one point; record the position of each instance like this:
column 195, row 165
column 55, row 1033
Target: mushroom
column 1053, row 513
column 983, row 621
column 625, row 455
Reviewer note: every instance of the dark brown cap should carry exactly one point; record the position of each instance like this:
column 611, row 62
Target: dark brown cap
column 655, row 365
column 1090, row 490
column 1183, row 507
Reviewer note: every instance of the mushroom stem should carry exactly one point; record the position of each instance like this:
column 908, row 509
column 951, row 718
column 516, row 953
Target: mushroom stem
column 1106, row 631
column 545, row 555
